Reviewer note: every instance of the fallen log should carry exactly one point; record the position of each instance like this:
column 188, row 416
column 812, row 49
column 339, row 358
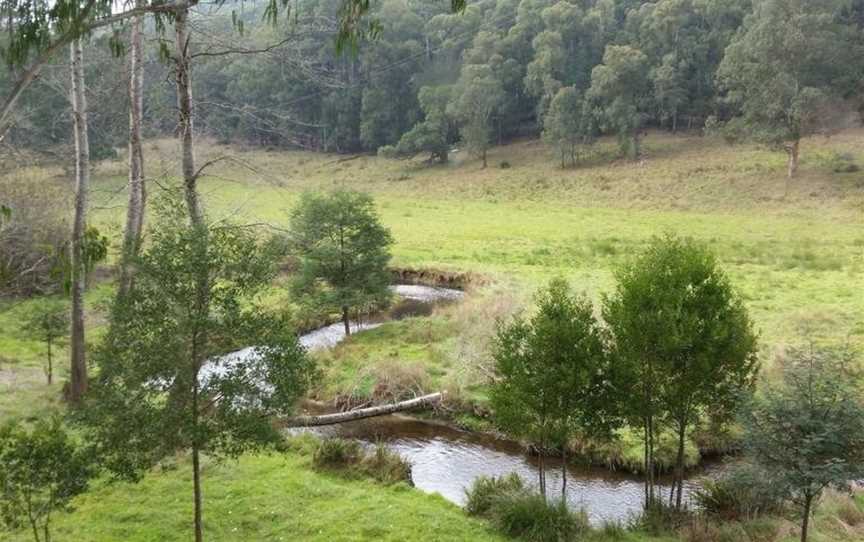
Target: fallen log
column 361, row 413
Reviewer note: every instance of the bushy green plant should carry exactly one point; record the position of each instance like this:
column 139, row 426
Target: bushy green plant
column 487, row 491
column 530, row 517
column 337, row 453
column 743, row 492
column 386, row 466
column 41, row 469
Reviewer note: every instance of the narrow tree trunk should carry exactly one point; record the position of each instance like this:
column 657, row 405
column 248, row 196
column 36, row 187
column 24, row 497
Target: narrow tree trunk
column 679, row 464
column 805, row 523
column 645, row 457
column 793, row 150
column 542, row 469
column 184, row 106
column 346, row 320
column 50, row 365
column 564, row 474
column 484, row 158
column 137, row 191
column 78, row 379
column 196, row 482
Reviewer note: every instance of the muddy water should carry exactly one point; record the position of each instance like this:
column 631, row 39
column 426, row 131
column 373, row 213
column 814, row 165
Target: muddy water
column 446, row 460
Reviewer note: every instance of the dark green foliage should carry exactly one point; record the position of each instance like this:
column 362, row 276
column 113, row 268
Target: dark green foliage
column 569, row 125
column 684, row 342
column 344, row 251
column 485, row 494
column 529, row 517
column 744, row 491
column 786, row 96
column 349, row 457
column 334, row 453
column 433, row 134
column 165, row 383
column 807, row 431
column 41, row 469
column 620, row 90
column 552, row 373
column 49, row 323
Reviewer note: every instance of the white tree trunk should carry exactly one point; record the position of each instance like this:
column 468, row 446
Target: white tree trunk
column 184, row 106
column 137, row 189
column 78, row 379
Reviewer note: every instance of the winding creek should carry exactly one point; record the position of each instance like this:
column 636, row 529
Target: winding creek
column 447, row 460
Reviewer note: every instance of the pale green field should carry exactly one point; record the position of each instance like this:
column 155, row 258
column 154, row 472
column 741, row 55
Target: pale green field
column 797, row 258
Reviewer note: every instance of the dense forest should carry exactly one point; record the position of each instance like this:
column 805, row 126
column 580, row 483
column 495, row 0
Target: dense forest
column 426, row 78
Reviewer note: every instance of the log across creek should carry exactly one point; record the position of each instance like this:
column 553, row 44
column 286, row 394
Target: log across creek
column 425, row 401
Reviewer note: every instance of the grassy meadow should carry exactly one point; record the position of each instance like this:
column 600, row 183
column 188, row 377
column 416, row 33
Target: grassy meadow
column 794, row 250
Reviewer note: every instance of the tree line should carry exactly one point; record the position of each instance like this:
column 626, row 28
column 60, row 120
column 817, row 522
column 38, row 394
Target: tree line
column 770, row 70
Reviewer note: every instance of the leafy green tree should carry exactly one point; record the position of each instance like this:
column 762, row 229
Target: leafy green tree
column 166, row 382
column 621, row 88
column 477, row 97
column 784, row 71
column 685, row 344
column 807, row 429
column 670, row 90
column 41, row 469
column 49, row 322
column 552, row 374
column 344, row 251
column 568, row 125
column 433, row 133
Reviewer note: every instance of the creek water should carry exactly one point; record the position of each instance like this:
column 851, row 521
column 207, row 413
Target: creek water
column 446, row 460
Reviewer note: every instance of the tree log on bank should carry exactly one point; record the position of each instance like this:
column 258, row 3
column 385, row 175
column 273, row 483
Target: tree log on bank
column 361, row 413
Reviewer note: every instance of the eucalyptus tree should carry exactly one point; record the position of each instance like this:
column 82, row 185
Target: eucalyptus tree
column 434, row 134
column 43, row 466
column 344, row 251
column 569, row 125
column 807, row 429
column 168, row 381
column 552, row 375
column 477, row 97
column 684, row 343
column 621, row 88
column 787, row 70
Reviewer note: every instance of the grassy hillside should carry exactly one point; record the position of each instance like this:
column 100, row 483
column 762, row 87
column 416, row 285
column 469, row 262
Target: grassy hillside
column 795, row 252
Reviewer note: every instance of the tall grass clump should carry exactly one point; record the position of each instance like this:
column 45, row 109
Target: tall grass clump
column 744, row 492
column 518, row 512
column 348, row 457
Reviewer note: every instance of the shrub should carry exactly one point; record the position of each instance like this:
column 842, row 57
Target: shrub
column 743, row 492
column 505, row 165
column 531, row 518
column 487, row 492
column 332, row 453
column 33, row 236
column 661, row 518
column 386, row 466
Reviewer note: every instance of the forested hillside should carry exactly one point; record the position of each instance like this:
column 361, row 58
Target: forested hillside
column 425, row 78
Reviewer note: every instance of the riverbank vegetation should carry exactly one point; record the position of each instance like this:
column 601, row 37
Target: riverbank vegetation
column 512, row 142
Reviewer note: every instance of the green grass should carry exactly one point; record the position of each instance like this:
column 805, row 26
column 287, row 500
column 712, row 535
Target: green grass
column 264, row 498
column 796, row 254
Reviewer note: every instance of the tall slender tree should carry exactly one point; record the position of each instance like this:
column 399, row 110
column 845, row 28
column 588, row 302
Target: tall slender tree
column 78, row 271
column 137, row 189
